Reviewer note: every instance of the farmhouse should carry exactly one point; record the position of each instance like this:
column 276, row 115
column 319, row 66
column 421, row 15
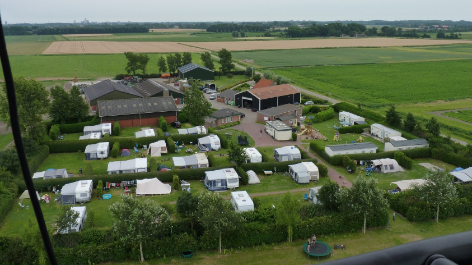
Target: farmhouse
column 221, row 179
column 102, row 129
column 227, row 96
column 210, row 142
column 350, row 119
column 138, row 112
column 287, row 153
column 405, row 145
column 96, row 151
column 278, row 130
column 383, row 132
column 304, row 172
column 345, row 149
column 264, row 83
column 151, row 187
column 386, row 165
column 127, row 166
column 463, row 176
column 145, row 133
column 151, row 88
column 288, row 114
column 108, row 90
column 252, row 155
column 223, row 116
column 267, row 97
column 193, row 130
column 241, row 201
column 198, row 160
column 157, row 148
column 195, row 71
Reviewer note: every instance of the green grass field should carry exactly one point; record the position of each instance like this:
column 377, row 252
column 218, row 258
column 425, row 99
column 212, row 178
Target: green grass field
column 5, row 139
column 342, row 56
column 382, row 84
column 463, row 115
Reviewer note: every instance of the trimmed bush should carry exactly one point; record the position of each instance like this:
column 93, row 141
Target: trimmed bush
column 227, row 125
column 170, row 145
column 211, row 160
column 41, row 154
column 116, row 128
column 243, row 175
column 403, row 160
column 14, row 251
column 223, row 140
column 294, row 137
column 54, row 132
column 159, row 132
column 322, row 169
column 176, row 182
column 115, row 151
column 182, row 117
column 354, row 129
column 163, row 124
column 211, row 130
column 324, row 115
column 99, row 189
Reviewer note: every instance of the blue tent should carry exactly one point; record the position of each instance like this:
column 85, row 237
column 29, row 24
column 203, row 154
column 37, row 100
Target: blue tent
column 457, row 169
column 125, row 152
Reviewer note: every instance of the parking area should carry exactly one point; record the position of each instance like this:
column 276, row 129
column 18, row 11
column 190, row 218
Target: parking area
column 250, row 117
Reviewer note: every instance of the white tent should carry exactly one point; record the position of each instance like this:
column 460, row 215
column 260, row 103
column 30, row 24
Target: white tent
column 241, row 201
column 55, row 174
column 211, row 142
column 404, row 185
column 128, row 166
column 287, row 153
column 252, row 155
column 91, row 136
column 145, row 133
column 253, row 179
column 95, row 151
column 151, row 187
column 25, row 195
column 99, row 128
column 198, row 160
column 193, row 130
column 387, row 165
column 157, row 148
column 39, row 175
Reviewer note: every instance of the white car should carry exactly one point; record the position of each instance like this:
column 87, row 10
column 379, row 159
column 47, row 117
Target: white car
column 309, row 103
column 213, row 96
column 210, row 91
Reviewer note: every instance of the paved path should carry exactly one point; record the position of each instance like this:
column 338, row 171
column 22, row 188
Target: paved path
column 440, row 114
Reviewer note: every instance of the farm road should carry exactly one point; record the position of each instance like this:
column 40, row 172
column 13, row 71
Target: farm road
column 440, row 114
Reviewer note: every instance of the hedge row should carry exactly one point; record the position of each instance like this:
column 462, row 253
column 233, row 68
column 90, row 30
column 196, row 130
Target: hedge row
column 223, row 140
column 403, row 160
column 451, row 158
column 324, row 115
column 125, row 142
column 354, row 129
column 343, row 106
column 305, row 154
column 306, row 97
column 77, row 127
column 14, row 251
column 7, row 198
column 227, row 125
column 38, row 158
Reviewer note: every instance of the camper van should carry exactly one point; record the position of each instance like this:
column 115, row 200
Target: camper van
column 79, row 191
column 221, row 179
column 96, row 151
column 252, row 155
column 82, row 210
column 241, row 201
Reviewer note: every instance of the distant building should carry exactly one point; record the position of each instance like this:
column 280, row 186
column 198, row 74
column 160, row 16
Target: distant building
column 226, row 96
column 264, row 83
column 222, row 117
column 151, row 88
column 195, row 71
column 346, row 149
column 405, row 145
column 287, row 113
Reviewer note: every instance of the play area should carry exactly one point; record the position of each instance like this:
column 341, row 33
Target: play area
column 320, row 249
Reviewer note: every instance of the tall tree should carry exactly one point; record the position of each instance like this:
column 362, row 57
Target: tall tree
column 67, row 219
column 410, row 123
column 393, row 117
column 171, row 64
column 161, row 63
column 59, row 109
column 196, row 108
column 363, row 198
column 186, row 58
column 207, row 61
column 137, row 221
column 439, row 190
column 217, row 214
column 236, row 153
column 132, row 65
column 287, row 213
column 433, row 127
column 32, row 100
column 187, row 207
column 235, row 34
column 327, row 196
column 178, row 59
column 225, row 61
column 79, row 109
column 143, row 60
column 243, row 34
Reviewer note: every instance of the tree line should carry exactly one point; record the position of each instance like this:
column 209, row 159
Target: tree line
column 73, row 29
column 230, row 27
column 332, row 29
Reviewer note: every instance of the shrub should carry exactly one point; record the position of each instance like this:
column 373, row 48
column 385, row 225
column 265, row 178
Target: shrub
column 182, row 117
column 304, row 154
column 324, row 115
column 77, row 127
column 243, row 175
column 163, row 124
column 14, row 251
column 323, row 169
column 170, row 145
column 175, row 182
column 54, row 132
column 211, row 160
column 99, row 189
column 266, row 157
column 89, row 222
column 115, row 151
column 294, row 137
column 354, row 129
column 211, row 130
column 106, row 135
column 160, row 132
column 116, row 128
column 153, row 164
column 403, row 160
column 227, row 125
column 223, row 140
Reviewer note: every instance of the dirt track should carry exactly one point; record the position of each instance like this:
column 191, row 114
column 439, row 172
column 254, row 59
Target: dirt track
column 88, row 47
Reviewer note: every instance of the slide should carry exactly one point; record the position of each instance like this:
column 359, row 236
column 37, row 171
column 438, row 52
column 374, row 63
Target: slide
column 302, row 132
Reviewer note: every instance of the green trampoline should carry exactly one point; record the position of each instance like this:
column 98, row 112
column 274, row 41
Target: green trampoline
column 320, row 249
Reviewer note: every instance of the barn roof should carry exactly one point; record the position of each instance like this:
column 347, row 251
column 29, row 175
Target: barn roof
column 228, row 93
column 264, row 83
column 135, row 106
column 149, row 88
column 223, row 113
column 191, row 66
column 106, row 87
column 273, row 91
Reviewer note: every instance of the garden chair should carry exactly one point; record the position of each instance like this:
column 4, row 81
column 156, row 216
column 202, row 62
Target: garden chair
column 136, row 150
column 21, row 205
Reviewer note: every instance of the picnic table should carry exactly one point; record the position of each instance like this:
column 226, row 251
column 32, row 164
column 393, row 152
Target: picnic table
column 268, row 172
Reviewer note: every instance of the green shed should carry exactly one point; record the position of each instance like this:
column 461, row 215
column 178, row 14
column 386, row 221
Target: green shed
column 195, row 71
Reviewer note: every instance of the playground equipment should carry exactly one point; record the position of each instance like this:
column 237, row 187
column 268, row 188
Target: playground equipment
column 302, row 132
column 320, row 249
column 337, row 137
column 360, row 139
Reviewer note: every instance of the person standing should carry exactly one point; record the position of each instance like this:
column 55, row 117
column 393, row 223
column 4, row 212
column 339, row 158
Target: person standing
column 393, row 216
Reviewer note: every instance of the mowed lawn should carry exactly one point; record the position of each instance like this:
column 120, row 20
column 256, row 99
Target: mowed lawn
column 464, row 115
column 342, row 56
column 382, row 84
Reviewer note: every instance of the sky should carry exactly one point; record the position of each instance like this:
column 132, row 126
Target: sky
column 43, row 11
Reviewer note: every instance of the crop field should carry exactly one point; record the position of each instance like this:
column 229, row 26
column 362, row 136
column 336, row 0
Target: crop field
column 381, row 84
column 463, row 115
column 175, row 30
column 85, row 66
column 341, row 56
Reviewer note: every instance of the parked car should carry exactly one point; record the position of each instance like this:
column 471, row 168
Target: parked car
column 200, row 87
column 243, row 115
column 295, row 103
column 176, row 124
column 309, row 103
column 213, row 96
column 210, row 91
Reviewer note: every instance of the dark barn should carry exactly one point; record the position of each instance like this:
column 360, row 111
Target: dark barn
column 195, row 71
column 267, row 97
column 151, row 88
column 108, row 90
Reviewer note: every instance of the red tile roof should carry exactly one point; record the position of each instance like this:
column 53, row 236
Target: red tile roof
column 264, row 83
column 273, row 91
